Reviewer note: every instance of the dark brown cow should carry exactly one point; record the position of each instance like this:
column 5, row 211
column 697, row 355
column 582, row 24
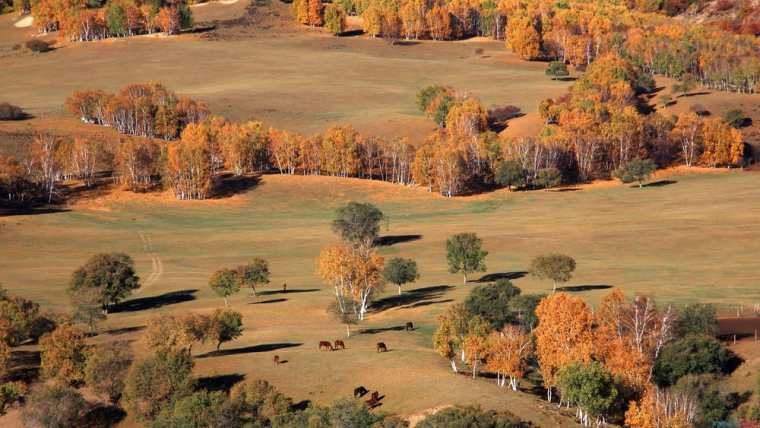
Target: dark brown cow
column 325, row 345
column 376, row 395
column 381, row 347
column 360, row 392
column 339, row 344
column 276, row 360
column 409, row 326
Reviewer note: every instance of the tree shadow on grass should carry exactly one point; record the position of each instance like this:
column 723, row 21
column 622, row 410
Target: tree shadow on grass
column 381, row 329
column 152, row 302
column 264, row 302
column 230, row 185
column 24, row 366
column 493, row 277
column 220, row 382
column 577, row 288
column 10, row 210
column 659, row 183
column 387, row 241
column 250, row 349
column 411, row 297
column 103, row 415
column 290, row 291
column 124, row 330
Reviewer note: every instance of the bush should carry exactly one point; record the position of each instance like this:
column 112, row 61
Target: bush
column 492, row 302
column 471, row 417
column 200, row 410
column 152, row 382
column 557, row 69
column 260, row 401
column 11, row 392
column 696, row 319
column 54, row 407
column 638, row 170
column 509, row 173
column 107, row 367
column 11, row 112
column 39, row 46
column 737, row 119
column 693, row 355
column 548, row 178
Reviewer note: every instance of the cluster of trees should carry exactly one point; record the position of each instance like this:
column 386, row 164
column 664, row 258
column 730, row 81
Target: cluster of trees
column 81, row 20
column 628, row 361
column 226, row 282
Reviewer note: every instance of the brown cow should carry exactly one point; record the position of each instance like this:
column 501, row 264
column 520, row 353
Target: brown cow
column 325, row 345
column 276, row 360
column 376, row 395
column 409, row 326
column 339, row 344
column 381, row 347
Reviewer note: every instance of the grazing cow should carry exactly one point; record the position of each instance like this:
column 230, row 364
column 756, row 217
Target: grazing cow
column 409, row 326
column 360, row 392
column 325, row 345
column 276, row 360
column 381, row 347
column 339, row 344
column 376, row 395
column 374, row 400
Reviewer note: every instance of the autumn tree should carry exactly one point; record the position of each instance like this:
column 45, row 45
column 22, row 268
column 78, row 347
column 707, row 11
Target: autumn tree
column 63, row 354
column 112, row 276
column 475, row 343
column 156, row 379
column 400, row 271
column 507, row 353
column 188, row 164
column 448, row 338
column 260, row 401
column 335, row 19
column 254, row 273
column 662, row 409
column 722, row 144
column 464, row 253
column 564, row 336
column 225, row 282
column 226, row 325
column 46, row 162
column 556, row 267
column 688, row 134
column 106, row 368
column 138, row 164
column 54, row 406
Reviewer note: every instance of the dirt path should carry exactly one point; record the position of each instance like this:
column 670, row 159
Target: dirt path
column 157, row 268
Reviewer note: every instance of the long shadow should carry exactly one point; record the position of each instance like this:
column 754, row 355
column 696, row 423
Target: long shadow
column 660, row 183
column 25, row 366
column 381, row 329
column 103, row 415
column 693, row 94
column 152, row 302
column 301, row 405
column 219, row 382
column 124, row 330
column 410, row 297
column 428, row 303
column 290, row 291
column 265, row 302
column 11, row 210
column 387, row 241
column 230, row 185
column 249, row 349
column 576, row 288
column 351, row 33
column 493, row 277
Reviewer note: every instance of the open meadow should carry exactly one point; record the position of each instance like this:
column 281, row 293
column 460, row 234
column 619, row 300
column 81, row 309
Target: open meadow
column 686, row 238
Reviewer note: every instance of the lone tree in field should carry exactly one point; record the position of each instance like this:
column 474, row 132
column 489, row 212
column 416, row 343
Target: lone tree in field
column 548, row 178
column 225, row 283
column 400, row 271
column 226, row 325
column 254, row 273
column 557, row 267
column 637, row 170
column 112, row 275
column 510, row 174
column 465, row 254
column 358, row 224
column 557, row 69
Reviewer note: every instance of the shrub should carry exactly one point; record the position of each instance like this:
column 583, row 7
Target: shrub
column 471, row 417
column 152, row 382
column 11, row 392
column 11, row 112
column 557, row 69
column 492, row 302
column 638, row 170
column 106, row 368
column 696, row 319
column 693, row 355
column 38, row 46
column 260, row 401
column 54, row 407
column 736, row 118
column 548, row 178
column 200, row 410
column 510, row 174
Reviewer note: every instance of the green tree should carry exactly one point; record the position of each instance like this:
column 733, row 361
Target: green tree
column 557, row 69
column 260, row 402
column 714, row 405
column 556, row 267
column 400, row 271
column 591, row 388
column 254, row 273
column 87, row 308
column 116, row 19
column 152, row 382
column 696, row 319
column 54, row 406
column 106, row 368
column 113, row 275
column 510, row 174
column 692, row 355
column 492, row 302
column 548, row 178
column 736, row 118
column 224, row 282
column 226, row 325
column 358, row 223
column 202, row 409
column 524, row 307
column 638, row 170
column 465, row 254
